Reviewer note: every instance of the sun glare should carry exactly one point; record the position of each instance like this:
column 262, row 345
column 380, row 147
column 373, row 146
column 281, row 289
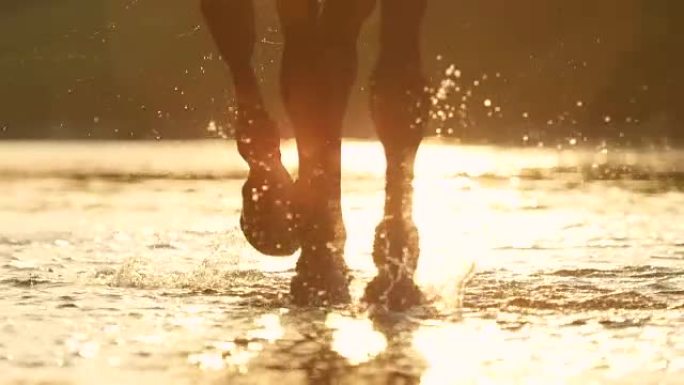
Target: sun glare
column 355, row 339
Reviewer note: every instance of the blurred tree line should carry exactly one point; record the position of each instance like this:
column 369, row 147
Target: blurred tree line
column 543, row 70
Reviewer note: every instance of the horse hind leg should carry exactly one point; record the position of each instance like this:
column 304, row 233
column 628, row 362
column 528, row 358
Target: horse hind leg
column 267, row 217
column 399, row 109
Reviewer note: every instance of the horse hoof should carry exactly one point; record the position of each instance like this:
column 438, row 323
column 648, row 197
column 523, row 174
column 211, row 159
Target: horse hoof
column 268, row 220
column 396, row 295
column 395, row 252
column 320, row 281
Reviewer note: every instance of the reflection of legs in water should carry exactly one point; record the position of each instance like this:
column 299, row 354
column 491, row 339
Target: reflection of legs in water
column 319, row 67
column 267, row 219
column 399, row 106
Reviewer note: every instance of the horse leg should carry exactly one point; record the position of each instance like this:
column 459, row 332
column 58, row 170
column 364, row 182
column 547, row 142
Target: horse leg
column 267, row 218
column 319, row 67
column 399, row 107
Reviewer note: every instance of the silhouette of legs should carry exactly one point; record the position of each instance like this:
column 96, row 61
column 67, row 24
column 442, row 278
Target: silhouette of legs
column 399, row 105
column 268, row 217
column 319, row 68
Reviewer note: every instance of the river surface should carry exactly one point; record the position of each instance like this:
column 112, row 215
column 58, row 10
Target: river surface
column 122, row 263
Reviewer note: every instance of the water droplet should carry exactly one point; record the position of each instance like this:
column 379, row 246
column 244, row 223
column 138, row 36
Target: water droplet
column 452, row 71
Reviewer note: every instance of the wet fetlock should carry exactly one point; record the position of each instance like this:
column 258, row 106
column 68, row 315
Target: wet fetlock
column 395, row 253
column 322, row 279
column 396, row 246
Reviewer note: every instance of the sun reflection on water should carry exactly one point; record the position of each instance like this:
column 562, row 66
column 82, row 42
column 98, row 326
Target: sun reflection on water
column 462, row 215
column 355, row 339
column 453, row 350
column 268, row 328
column 575, row 285
column 237, row 354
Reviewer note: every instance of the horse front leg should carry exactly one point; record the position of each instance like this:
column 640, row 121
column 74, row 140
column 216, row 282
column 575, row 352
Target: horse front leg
column 399, row 105
column 267, row 217
column 319, row 68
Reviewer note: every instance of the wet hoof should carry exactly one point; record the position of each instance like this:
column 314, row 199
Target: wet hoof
column 395, row 252
column 398, row 295
column 268, row 220
column 321, row 281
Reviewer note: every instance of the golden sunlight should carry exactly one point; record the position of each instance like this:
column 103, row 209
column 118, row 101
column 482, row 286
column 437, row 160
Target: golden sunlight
column 355, row 339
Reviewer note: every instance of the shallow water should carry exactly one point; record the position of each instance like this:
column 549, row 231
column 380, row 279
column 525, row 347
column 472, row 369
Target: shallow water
column 122, row 263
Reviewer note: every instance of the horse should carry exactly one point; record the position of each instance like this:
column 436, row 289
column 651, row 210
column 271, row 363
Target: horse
column 319, row 66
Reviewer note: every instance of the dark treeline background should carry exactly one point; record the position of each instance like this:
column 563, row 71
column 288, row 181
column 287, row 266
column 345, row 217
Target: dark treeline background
column 542, row 69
